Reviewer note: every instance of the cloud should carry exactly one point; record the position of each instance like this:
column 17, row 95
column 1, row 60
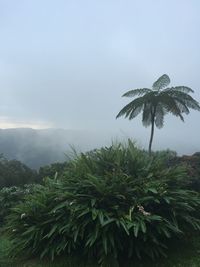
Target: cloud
column 6, row 123
column 66, row 64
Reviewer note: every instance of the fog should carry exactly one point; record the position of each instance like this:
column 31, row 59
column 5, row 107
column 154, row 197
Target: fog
column 65, row 64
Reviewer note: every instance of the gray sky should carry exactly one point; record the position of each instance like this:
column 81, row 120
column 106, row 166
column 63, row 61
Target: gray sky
column 66, row 63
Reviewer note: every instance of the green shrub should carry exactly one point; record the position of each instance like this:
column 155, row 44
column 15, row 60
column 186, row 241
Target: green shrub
column 111, row 203
column 51, row 170
column 192, row 164
column 11, row 196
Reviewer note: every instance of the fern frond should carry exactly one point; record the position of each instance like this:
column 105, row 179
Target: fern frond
column 135, row 92
column 183, row 89
column 132, row 109
column 162, row 82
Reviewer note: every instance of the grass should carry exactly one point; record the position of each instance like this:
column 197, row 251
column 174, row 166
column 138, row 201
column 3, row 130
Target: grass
column 4, row 246
column 186, row 254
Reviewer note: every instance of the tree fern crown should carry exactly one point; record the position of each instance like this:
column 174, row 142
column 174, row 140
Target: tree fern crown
column 156, row 102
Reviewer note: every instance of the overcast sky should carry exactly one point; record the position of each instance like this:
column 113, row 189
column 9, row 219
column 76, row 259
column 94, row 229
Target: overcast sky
column 66, row 63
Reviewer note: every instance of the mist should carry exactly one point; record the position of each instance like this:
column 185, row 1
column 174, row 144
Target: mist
column 66, row 64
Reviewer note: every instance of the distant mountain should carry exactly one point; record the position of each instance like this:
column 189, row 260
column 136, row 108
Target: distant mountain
column 37, row 148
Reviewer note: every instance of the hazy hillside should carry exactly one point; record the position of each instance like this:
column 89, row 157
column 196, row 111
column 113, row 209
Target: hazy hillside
column 36, row 148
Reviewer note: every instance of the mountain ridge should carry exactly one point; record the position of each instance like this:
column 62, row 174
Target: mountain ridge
column 39, row 147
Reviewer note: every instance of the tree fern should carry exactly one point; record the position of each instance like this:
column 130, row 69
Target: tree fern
column 155, row 103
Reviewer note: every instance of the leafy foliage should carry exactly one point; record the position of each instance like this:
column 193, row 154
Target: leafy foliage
column 52, row 170
column 15, row 173
column 11, row 196
column 192, row 165
column 111, row 203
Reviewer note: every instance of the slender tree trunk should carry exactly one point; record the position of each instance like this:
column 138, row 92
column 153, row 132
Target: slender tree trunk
column 151, row 137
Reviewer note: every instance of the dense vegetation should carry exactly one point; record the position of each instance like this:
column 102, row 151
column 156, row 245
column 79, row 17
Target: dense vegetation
column 52, row 170
column 192, row 165
column 15, row 173
column 11, row 196
column 111, row 204
column 17, row 180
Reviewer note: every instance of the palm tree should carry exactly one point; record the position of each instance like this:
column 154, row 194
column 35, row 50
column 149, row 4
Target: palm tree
column 155, row 103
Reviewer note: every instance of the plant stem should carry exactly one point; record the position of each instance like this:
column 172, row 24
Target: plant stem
column 151, row 137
